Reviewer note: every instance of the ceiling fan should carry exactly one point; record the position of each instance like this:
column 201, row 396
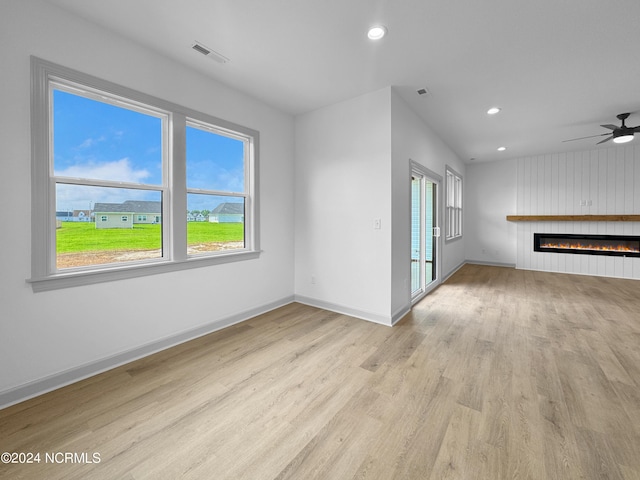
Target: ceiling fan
column 621, row 134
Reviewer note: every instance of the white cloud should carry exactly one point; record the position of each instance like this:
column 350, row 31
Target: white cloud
column 118, row 171
column 80, row 197
column 84, row 197
column 90, row 142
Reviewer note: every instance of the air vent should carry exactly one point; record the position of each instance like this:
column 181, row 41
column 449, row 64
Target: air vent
column 206, row 51
column 424, row 91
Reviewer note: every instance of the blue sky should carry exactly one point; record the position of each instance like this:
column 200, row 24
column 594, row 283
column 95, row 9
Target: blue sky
column 96, row 140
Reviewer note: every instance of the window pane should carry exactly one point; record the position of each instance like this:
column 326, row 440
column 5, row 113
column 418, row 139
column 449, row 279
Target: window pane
column 100, row 225
column 97, row 140
column 214, row 223
column 214, row 161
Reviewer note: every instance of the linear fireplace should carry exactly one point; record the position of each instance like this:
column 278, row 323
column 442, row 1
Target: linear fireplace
column 616, row 245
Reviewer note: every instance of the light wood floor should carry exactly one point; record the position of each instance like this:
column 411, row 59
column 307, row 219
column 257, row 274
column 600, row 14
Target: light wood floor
column 498, row 374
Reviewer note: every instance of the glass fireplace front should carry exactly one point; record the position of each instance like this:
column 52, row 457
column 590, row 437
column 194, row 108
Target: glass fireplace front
column 616, row 245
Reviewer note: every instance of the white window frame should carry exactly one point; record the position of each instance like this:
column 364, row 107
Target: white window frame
column 247, row 199
column 44, row 274
column 453, row 204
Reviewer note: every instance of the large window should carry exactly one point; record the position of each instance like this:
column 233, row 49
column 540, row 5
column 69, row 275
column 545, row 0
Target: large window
column 453, row 205
column 164, row 187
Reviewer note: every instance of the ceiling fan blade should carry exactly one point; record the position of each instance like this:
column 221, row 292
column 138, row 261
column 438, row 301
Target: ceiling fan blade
column 610, row 127
column 582, row 138
column 605, row 140
column 636, row 129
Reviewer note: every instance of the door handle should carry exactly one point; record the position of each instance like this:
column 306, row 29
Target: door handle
column 436, row 232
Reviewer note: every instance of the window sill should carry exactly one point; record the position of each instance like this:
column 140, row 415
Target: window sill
column 110, row 274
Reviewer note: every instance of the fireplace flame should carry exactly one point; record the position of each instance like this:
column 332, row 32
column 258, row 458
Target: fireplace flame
column 599, row 248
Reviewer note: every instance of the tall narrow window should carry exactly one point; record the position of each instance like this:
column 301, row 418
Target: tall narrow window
column 216, row 189
column 125, row 184
column 453, row 205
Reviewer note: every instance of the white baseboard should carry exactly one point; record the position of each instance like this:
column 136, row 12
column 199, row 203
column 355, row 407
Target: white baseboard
column 53, row 382
column 400, row 313
column 352, row 312
column 491, row 264
column 451, row 272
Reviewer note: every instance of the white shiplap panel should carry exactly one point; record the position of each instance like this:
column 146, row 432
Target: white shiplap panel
column 580, row 184
column 611, row 181
column 562, row 185
column 619, row 169
column 627, row 268
column 601, row 264
column 629, row 168
column 603, row 175
column 618, row 266
column 570, row 185
column 635, row 264
column 543, row 185
column 526, row 186
column 520, row 186
column 546, row 185
column 636, row 179
column 534, row 185
column 585, row 181
column 555, row 184
column 593, row 182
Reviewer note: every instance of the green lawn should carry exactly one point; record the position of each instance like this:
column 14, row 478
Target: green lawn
column 85, row 237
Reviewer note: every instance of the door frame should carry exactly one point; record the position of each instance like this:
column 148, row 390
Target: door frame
column 433, row 177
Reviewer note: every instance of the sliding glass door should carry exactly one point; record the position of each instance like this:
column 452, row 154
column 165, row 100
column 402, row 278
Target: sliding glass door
column 425, row 232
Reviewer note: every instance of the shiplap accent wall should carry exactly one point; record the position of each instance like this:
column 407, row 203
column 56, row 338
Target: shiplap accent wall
column 602, row 181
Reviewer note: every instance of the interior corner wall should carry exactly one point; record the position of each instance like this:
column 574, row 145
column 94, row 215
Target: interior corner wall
column 490, row 195
column 343, row 261
column 413, row 139
column 74, row 330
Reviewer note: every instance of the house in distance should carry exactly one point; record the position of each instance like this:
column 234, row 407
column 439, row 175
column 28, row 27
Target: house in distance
column 127, row 214
column 227, row 213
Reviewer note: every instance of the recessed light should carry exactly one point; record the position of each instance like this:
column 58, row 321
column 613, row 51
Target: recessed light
column 493, row 110
column 502, row 149
column 377, row 32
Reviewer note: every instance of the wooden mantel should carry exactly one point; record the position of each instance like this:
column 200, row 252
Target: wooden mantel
column 573, row 218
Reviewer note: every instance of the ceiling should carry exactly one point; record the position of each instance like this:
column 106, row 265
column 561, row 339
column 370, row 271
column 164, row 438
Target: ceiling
column 557, row 68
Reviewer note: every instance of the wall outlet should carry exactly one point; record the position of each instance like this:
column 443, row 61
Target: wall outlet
column 377, row 223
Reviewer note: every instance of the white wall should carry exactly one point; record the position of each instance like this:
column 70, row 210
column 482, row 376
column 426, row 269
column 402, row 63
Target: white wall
column 413, row 139
column 342, row 184
column 490, row 195
column 72, row 331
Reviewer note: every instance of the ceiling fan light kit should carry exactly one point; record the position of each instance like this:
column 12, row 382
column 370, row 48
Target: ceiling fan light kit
column 622, row 137
column 621, row 134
